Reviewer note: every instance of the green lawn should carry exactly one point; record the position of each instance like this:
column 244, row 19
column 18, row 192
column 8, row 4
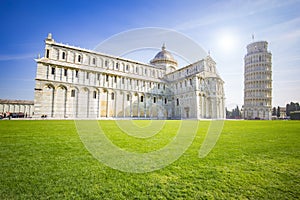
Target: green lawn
column 251, row 160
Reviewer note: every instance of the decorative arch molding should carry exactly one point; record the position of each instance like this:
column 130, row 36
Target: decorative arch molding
column 49, row 85
column 85, row 89
column 61, row 86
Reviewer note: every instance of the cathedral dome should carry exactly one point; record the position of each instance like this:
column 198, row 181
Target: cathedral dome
column 163, row 56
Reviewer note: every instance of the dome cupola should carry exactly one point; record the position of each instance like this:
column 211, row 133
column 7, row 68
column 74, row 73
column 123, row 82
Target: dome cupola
column 163, row 56
column 165, row 60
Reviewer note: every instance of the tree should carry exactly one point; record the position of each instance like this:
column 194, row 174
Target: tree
column 274, row 112
column 287, row 109
column 234, row 113
column 278, row 111
column 292, row 107
column 297, row 106
column 227, row 113
column 238, row 112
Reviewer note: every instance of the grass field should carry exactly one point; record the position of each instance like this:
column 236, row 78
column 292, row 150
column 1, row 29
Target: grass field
column 251, row 160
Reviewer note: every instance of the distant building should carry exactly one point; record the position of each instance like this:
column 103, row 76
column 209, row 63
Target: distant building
column 72, row 82
column 295, row 115
column 282, row 112
column 16, row 108
column 258, row 81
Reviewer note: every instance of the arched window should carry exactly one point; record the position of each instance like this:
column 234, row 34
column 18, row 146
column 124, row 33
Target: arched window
column 79, row 58
column 72, row 93
column 154, row 99
column 47, row 53
column 177, row 102
column 95, row 94
column 53, row 70
column 117, row 65
column 128, row 97
column 94, row 61
column 63, row 55
column 142, row 98
column 112, row 96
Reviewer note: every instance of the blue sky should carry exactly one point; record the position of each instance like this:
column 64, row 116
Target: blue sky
column 222, row 27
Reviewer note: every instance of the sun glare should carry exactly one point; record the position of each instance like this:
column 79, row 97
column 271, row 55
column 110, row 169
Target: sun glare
column 227, row 41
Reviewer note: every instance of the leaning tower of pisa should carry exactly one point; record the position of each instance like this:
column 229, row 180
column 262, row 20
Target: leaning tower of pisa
column 258, row 81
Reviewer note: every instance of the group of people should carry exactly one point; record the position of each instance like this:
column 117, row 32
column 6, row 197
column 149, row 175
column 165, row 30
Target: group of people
column 9, row 115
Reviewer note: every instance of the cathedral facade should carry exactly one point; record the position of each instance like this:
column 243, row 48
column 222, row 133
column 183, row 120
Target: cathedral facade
column 72, row 82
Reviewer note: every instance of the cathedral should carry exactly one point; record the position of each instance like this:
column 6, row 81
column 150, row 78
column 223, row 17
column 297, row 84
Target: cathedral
column 73, row 82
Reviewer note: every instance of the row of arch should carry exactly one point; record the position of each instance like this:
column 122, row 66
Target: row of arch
column 199, row 106
column 260, row 93
column 264, row 67
column 102, row 79
column 255, row 58
column 258, row 101
column 263, row 75
column 258, row 83
column 60, row 101
column 95, row 60
column 257, row 113
column 26, row 109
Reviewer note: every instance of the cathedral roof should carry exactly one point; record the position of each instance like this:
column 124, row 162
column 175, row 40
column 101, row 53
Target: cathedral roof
column 163, row 55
